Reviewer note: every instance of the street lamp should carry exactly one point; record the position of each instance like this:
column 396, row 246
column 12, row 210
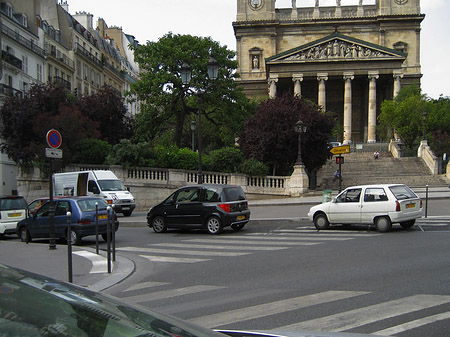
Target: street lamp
column 193, row 131
column 300, row 129
column 186, row 74
column 424, row 115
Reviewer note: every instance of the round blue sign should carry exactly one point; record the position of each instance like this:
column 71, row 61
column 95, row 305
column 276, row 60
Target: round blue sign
column 54, row 138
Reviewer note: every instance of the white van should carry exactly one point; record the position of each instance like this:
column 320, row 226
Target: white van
column 95, row 183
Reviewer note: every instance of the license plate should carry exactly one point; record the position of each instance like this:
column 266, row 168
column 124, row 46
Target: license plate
column 410, row 205
column 241, row 217
column 13, row 215
column 102, row 217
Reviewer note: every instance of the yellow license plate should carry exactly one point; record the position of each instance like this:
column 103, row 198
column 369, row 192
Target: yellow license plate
column 13, row 215
column 241, row 217
column 102, row 217
column 410, row 205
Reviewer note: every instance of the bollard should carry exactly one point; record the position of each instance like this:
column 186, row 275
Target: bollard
column 69, row 247
column 108, row 240
column 96, row 228
column 113, row 233
column 426, row 202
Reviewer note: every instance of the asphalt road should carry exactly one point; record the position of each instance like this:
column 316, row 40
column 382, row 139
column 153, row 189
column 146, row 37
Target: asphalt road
column 291, row 277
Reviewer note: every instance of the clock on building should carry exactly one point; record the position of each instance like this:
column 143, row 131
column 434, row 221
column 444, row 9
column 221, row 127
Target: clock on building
column 255, row 4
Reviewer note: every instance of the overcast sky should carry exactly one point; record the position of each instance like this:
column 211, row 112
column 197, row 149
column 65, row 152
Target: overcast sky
column 148, row 20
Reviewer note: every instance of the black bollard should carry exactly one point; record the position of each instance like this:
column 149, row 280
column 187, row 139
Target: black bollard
column 69, row 247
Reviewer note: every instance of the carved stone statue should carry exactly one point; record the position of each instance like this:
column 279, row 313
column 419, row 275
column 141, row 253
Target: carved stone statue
column 338, row 3
column 360, row 2
column 317, row 3
column 255, row 62
column 294, row 3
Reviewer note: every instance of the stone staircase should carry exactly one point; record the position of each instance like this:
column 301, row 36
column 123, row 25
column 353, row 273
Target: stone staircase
column 360, row 168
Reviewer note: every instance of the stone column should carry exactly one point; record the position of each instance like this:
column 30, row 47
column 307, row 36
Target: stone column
column 398, row 75
column 297, row 79
column 372, row 117
column 348, row 78
column 322, row 97
column 273, row 79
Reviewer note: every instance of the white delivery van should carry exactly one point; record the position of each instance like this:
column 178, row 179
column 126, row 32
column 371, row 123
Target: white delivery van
column 96, row 183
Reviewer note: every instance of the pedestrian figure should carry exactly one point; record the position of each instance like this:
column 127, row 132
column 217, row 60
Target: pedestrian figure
column 376, row 155
column 337, row 175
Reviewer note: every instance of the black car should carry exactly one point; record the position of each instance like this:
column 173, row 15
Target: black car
column 210, row 207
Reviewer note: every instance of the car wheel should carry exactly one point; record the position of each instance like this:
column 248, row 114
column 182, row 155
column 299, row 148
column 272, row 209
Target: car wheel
column 24, row 234
column 75, row 238
column 214, row 225
column 127, row 213
column 104, row 236
column 238, row 227
column 408, row 224
column 321, row 221
column 159, row 225
column 383, row 224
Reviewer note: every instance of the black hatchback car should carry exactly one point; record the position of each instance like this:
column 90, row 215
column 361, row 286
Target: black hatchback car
column 210, row 207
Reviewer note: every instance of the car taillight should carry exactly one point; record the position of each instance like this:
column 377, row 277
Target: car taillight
column 109, row 202
column 421, row 205
column 397, row 206
column 225, row 207
column 84, row 222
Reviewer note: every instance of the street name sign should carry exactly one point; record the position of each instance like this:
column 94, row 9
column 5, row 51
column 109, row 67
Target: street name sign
column 53, row 153
column 340, row 149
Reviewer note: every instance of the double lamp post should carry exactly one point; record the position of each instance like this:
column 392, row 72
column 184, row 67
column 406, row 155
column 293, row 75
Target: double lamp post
column 186, row 75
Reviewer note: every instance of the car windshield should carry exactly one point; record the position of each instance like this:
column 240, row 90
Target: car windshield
column 88, row 205
column 8, row 204
column 32, row 305
column 233, row 193
column 111, row 185
column 402, row 192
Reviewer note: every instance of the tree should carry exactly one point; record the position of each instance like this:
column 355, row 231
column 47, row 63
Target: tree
column 269, row 135
column 26, row 121
column 106, row 107
column 169, row 105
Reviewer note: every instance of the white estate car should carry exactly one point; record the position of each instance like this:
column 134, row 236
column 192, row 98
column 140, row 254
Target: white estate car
column 380, row 205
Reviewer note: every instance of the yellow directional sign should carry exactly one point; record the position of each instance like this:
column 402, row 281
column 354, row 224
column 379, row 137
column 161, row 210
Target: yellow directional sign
column 340, row 149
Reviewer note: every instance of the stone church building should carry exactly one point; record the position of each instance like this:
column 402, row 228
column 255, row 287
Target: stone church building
column 348, row 59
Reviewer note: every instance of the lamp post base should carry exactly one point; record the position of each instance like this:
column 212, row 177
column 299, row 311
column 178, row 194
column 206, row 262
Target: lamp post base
column 299, row 181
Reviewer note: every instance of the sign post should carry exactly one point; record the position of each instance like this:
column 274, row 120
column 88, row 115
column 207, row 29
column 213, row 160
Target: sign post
column 54, row 140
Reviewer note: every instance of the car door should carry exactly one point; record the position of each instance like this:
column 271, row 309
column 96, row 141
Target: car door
column 347, row 207
column 186, row 207
column 375, row 202
column 61, row 209
column 38, row 224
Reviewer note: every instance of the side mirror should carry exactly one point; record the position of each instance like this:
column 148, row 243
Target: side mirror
column 333, row 199
column 128, row 189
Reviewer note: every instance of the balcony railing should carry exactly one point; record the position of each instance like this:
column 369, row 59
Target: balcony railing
column 59, row 56
column 11, row 59
column 10, row 91
column 22, row 40
column 80, row 49
column 62, row 81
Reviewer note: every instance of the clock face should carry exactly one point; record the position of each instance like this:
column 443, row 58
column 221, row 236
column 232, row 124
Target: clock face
column 401, row 2
column 255, row 4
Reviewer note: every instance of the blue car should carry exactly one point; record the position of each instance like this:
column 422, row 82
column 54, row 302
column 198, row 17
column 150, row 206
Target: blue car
column 83, row 220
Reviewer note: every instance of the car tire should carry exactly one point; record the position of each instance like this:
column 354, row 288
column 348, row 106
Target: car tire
column 238, row 227
column 383, row 224
column 75, row 238
column 214, row 225
column 127, row 213
column 24, row 234
column 159, row 225
column 408, row 224
column 104, row 236
column 321, row 221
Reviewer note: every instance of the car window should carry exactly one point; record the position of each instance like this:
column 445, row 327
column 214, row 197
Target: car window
column 375, row 194
column 62, row 207
column 234, row 193
column 88, row 205
column 212, row 195
column 402, row 192
column 43, row 211
column 9, row 204
column 111, row 185
column 188, row 195
column 350, row 195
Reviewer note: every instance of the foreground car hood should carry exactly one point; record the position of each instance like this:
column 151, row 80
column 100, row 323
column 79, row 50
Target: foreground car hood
column 275, row 333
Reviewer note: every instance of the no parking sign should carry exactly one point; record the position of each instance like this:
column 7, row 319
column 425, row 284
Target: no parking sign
column 54, row 139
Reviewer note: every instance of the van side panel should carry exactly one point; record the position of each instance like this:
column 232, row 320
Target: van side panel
column 65, row 183
column 82, row 183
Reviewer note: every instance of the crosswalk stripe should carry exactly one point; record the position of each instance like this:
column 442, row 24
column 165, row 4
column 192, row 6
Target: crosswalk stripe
column 158, row 295
column 301, row 237
column 216, row 247
column 253, row 242
column 413, row 324
column 273, row 308
column 99, row 263
column 144, row 285
column 331, row 234
column 181, row 251
column 362, row 316
column 172, row 259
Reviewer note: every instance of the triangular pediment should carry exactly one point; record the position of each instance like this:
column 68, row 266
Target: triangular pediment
column 337, row 47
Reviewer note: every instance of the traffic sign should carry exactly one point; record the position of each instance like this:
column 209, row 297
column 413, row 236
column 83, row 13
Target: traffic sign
column 53, row 153
column 54, row 138
column 340, row 149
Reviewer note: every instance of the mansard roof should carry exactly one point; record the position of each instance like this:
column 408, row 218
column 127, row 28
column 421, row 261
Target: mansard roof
column 337, row 47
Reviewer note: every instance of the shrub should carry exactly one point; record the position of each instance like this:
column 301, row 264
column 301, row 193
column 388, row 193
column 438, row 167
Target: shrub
column 253, row 167
column 227, row 159
column 91, row 151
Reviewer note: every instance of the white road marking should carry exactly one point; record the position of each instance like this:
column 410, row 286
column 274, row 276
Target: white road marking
column 215, row 247
column 273, row 308
column 170, row 293
column 413, row 324
column 181, row 251
column 172, row 259
column 362, row 316
column 144, row 285
column 99, row 263
column 301, row 237
column 252, row 242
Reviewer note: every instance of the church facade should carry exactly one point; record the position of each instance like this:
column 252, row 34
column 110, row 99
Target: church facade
column 347, row 59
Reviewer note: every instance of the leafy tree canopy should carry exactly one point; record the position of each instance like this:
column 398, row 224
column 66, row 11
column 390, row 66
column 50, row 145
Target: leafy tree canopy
column 269, row 135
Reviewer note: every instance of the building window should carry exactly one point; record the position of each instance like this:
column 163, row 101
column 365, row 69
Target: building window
column 79, row 68
column 25, row 64
column 39, row 72
column 24, row 21
column 9, row 10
